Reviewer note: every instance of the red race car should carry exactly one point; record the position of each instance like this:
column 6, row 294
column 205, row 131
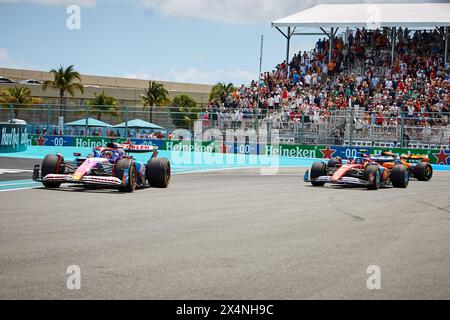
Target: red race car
column 358, row 171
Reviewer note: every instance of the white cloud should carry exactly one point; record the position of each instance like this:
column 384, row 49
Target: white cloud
column 229, row 11
column 195, row 75
column 6, row 61
column 4, row 56
column 81, row 3
column 243, row 11
column 141, row 75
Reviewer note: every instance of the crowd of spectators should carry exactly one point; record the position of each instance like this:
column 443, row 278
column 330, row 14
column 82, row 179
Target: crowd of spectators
column 358, row 77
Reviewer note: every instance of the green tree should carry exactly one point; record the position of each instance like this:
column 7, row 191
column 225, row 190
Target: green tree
column 221, row 91
column 20, row 96
column 103, row 104
column 66, row 81
column 155, row 95
column 184, row 112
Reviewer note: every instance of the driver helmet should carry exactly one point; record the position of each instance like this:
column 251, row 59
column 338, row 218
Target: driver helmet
column 108, row 154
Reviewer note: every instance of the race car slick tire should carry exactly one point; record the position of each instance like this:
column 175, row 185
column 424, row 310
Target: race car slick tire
column 120, row 166
column 375, row 181
column 423, row 171
column 318, row 169
column 158, row 172
column 333, row 163
column 52, row 164
column 399, row 176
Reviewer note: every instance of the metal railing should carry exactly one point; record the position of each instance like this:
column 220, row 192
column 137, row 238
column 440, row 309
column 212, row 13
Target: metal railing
column 340, row 127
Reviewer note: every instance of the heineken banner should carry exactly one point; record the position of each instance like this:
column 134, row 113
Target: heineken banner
column 282, row 150
column 13, row 137
column 296, row 151
column 86, row 142
column 436, row 156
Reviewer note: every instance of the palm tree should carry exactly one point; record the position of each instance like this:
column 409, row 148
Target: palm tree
column 103, row 104
column 184, row 112
column 156, row 94
column 18, row 96
column 65, row 81
column 220, row 91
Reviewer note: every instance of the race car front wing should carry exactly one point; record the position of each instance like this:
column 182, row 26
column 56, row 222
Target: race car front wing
column 342, row 181
column 69, row 178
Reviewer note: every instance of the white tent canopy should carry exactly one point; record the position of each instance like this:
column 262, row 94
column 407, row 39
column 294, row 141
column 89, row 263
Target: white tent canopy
column 420, row 15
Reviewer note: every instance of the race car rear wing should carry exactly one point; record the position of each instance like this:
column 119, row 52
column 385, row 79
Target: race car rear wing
column 132, row 148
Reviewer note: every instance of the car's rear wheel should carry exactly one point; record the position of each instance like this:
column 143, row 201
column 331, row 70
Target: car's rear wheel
column 423, row 171
column 373, row 175
column 121, row 166
column 52, row 164
column 158, row 172
column 399, row 176
column 318, row 169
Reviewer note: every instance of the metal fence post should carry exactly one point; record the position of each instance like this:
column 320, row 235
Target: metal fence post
column 351, row 129
column 48, row 117
column 402, row 129
column 126, row 122
column 11, row 112
column 168, row 120
column 256, row 114
column 87, row 121
column 210, row 119
column 302, row 131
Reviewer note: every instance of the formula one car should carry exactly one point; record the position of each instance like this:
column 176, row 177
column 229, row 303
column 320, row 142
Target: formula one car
column 418, row 165
column 110, row 167
column 358, row 171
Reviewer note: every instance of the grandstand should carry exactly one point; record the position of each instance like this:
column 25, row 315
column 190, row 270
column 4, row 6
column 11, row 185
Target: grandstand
column 366, row 87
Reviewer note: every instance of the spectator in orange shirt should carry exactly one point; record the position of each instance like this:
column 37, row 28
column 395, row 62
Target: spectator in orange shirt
column 331, row 66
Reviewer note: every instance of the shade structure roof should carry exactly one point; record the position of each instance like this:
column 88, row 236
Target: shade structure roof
column 90, row 123
column 138, row 124
column 411, row 15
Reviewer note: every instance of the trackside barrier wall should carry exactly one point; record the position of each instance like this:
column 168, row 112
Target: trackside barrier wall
column 13, row 137
column 441, row 156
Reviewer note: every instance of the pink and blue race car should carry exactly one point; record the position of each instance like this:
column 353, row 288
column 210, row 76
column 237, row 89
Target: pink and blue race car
column 109, row 167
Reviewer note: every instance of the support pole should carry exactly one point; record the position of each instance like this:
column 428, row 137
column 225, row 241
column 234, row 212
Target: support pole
column 446, row 47
column 330, row 49
column 261, row 57
column 288, row 49
column 393, row 36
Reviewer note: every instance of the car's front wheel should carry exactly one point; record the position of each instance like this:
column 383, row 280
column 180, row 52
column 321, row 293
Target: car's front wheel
column 400, row 176
column 373, row 175
column 318, row 169
column 120, row 169
column 52, row 164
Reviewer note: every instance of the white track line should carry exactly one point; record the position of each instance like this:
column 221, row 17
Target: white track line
column 175, row 173
column 16, row 184
column 18, row 189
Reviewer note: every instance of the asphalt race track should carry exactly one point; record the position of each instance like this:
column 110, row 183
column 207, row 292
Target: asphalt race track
column 227, row 235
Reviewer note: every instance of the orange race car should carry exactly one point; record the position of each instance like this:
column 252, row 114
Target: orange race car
column 418, row 165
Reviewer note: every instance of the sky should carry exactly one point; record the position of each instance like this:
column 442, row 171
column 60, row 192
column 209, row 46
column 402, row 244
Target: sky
column 195, row 41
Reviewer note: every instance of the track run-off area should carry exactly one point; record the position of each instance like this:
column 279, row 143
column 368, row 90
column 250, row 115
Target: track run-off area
column 221, row 232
